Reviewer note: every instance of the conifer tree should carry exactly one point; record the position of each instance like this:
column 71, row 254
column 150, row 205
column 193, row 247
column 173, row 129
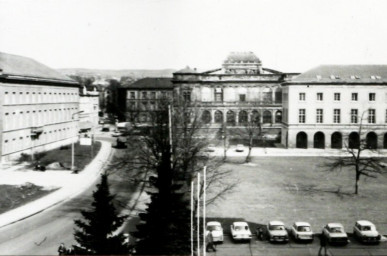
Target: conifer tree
column 95, row 232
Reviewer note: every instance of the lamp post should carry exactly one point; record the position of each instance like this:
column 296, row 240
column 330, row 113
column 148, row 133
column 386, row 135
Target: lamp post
column 72, row 143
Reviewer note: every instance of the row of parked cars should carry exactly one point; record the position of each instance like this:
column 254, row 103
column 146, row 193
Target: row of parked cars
column 275, row 231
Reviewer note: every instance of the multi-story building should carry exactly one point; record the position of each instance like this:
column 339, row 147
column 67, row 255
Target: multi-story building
column 89, row 105
column 143, row 96
column 242, row 89
column 38, row 107
column 325, row 107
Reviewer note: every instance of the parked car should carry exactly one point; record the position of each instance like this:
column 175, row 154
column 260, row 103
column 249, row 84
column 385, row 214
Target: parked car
column 240, row 231
column 335, row 233
column 240, row 148
column 302, row 231
column 117, row 134
column 217, row 231
column 210, row 148
column 366, row 232
column 276, row 232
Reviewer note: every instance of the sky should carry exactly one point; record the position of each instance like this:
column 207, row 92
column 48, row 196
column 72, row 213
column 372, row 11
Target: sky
column 287, row 35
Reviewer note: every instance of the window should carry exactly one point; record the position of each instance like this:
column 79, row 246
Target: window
column 319, row 96
column 319, row 116
column 144, row 95
column 187, row 95
column 336, row 116
column 302, row 96
column 354, row 114
column 132, row 95
column 354, row 96
column 163, row 94
column 153, row 95
column 371, row 96
column 301, row 116
column 336, row 96
column 371, row 116
column 242, row 97
column 218, row 94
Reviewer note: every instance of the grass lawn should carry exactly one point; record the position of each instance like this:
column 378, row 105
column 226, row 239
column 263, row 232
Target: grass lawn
column 298, row 189
column 15, row 196
column 82, row 155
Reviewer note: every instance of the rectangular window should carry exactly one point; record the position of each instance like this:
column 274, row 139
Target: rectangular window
column 218, row 94
column 354, row 96
column 144, row 95
column 371, row 116
column 319, row 96
column 302, row 96
column 301, row 116
column 371, row 96
column 242, row 97
column 336, row 96
column 354, row 115
column 132, row 95
column 187, row 95
column 336, row 116
column 164, row 94
column 319, row 116
column 153, row 95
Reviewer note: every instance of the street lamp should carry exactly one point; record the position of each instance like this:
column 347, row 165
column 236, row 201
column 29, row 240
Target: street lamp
column 72, row 143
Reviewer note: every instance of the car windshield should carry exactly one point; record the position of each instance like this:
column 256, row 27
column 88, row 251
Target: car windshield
column 366, row 228
column 303, row 229
column 276, row 227
column 336, row 230
column 214, row 228
column 240, row 228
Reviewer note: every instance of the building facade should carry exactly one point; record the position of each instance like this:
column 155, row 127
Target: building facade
column 242, row 89
column 143, row 96
column 325, row 107
column 37, row 106
column 89, row 105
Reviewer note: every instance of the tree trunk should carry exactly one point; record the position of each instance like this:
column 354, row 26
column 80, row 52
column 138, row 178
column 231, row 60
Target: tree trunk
column 357, row 180
column 249, row 153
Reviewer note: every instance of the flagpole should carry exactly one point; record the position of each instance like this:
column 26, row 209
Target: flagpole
column 192, row 205
column 204, row 209
column 198, row 214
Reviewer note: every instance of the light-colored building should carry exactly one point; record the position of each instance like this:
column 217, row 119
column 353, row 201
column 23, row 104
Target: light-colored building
column 324, row 106
column 37, row 106
column 242, row 89
column 143, row 96
column 89, row 105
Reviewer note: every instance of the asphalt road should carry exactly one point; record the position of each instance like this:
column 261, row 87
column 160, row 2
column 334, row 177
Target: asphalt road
column 42, row 233
column 258, row 248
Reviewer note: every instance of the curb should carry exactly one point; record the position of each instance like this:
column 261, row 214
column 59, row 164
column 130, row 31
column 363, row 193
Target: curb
column 82, row 181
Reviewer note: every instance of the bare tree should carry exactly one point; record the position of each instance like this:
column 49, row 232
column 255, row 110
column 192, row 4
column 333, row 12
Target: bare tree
column 368, row 166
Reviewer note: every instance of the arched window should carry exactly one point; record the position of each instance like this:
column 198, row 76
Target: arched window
column 302, row 140
column 242, row 119
column 206, row 116
column 278, row 95
column 337, row 140
column 319, row 140
column 353, row 140
column 372, row 140
column 230, row 117
column 278, row 116
column 267, row 117
column 255, row 116
column 218, row 117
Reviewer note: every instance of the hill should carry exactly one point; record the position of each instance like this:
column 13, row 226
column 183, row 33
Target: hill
column 111, row 73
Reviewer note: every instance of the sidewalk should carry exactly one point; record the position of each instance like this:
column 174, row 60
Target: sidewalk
column 69, row 185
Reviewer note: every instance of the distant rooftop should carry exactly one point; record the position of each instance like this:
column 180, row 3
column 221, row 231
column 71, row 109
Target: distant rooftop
column 187, row 70
column 19, row 67
column 344, row 74
column 151, row 83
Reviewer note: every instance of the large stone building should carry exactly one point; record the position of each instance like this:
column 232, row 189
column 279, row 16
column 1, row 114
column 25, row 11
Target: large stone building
column 89, row 105
column 323, row 107
column 37, row 107
column 233, row 94
column 143, row 96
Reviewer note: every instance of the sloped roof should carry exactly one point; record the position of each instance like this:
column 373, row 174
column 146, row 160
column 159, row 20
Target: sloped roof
column 151, row 83
column 235, row 57
column 24, row 68
column 344, row 74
